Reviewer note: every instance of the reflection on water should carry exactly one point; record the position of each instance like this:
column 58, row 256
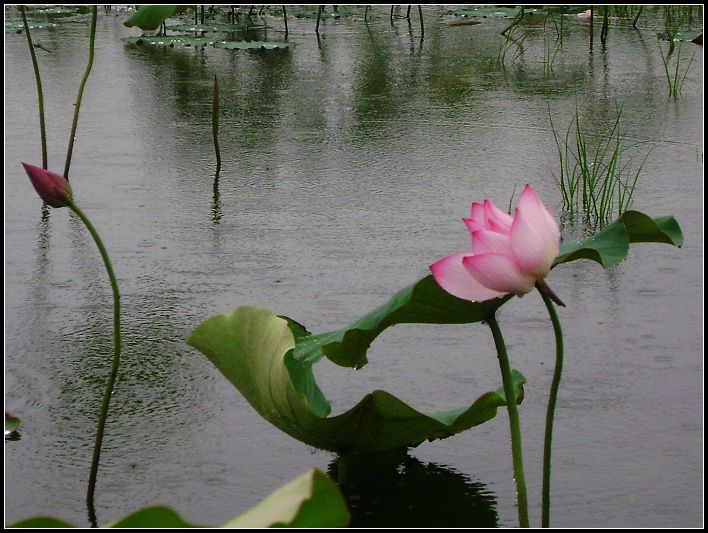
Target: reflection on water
column 393, row 489
column 216, row 213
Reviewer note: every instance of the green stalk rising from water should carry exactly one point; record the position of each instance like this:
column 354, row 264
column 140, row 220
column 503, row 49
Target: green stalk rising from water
column 516, row 448
column 40, row 93
column 116, row 358
column 77, row 106
column 550, row 412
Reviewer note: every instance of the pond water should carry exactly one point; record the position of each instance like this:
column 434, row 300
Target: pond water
column 347, row 166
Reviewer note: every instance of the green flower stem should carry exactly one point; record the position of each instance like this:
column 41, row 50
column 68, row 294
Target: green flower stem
column 516, row 449
column 40, row 93
column 116, row 354
column 77, row 106
column 557, row 371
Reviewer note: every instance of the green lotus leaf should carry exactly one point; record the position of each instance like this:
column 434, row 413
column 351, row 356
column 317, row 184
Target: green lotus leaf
column 12, row 423
column 311, row 500
column 423, row 302
column 150, row 517
column 41, row 522
column 611, row 245
column 150, row 17
column 250, row 346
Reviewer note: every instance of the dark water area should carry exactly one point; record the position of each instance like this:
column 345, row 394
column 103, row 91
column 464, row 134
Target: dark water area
column 347, row 166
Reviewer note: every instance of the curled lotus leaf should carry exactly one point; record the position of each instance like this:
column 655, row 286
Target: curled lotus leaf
column 249, row 345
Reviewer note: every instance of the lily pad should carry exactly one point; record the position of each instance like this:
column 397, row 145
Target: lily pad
column 504, row 12
column 170, row 40
column 57, row 12
column 310, row 12
column 312, row 500
column 190, row 40
column 463, row 22
column 18, row 27
column 214, row 28
column 250, row 346
column 251, row 45
column 681, row 36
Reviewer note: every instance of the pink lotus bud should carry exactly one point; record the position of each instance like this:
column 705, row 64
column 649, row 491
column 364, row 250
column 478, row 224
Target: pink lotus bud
column 51, row 187
column 509, row 254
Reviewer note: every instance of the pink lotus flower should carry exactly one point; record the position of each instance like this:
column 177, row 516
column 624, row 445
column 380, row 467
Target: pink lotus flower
column 509, row 255
column 51, row 187
column 585, row 15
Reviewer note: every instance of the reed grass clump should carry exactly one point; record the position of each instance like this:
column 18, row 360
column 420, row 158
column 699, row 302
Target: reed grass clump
column 595, row 180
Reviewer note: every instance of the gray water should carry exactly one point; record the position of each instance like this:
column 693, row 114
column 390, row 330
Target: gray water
column 347, row 167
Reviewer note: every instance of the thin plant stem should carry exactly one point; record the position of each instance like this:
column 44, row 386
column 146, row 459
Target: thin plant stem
column 422, row 26
column 592, row 31
column 516, row 448
column 285, row 21
column 116, row 355
column 636, row 17
column 215, row 123
column 515, row 22
column 319, row 14
column 550, row 412
column 40, row 93
column 686, row 72
column 77, row 106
